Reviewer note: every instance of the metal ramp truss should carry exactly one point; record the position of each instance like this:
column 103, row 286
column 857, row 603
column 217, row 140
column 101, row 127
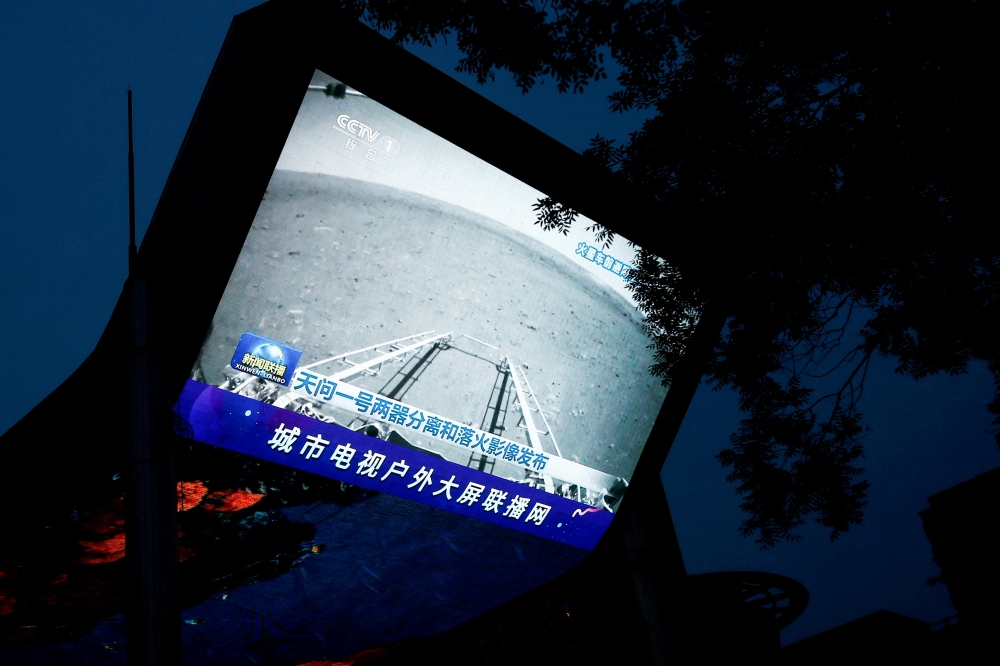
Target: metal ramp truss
column 384, row 352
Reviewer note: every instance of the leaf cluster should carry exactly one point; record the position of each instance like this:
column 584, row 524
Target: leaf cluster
column 820, row 168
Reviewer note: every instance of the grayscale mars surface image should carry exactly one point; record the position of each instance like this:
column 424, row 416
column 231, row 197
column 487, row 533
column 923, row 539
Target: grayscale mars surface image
column 335, row 264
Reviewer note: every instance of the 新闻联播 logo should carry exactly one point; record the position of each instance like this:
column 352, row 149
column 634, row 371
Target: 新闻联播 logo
column 265, row 358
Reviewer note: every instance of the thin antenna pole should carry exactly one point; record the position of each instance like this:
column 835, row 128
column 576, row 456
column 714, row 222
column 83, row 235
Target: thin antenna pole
column 152, row 621
column 131, row 193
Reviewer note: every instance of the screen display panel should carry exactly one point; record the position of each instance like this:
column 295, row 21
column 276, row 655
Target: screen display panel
column 397, row 289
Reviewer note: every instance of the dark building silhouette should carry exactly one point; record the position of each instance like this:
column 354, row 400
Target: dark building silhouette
column 963, row 526
column 881, row 637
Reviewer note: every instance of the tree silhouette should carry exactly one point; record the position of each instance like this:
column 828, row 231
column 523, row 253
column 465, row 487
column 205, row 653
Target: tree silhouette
column 822, row 164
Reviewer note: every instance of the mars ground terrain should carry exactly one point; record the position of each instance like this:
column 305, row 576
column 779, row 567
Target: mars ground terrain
column 333, row 264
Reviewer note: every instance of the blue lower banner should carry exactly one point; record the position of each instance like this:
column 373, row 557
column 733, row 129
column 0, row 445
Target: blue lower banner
column 245, row 425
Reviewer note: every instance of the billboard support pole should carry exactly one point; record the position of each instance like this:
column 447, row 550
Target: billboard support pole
column 648, row 544
column 152, row 619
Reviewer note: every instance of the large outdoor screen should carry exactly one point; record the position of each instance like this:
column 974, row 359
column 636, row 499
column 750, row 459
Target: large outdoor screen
column 419, row 403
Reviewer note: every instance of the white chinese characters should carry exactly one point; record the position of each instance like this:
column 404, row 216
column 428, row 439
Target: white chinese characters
column 284, row 438
column 373, row 466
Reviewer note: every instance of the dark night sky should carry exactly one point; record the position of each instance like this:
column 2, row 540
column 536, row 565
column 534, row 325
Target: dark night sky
column 63, row 234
